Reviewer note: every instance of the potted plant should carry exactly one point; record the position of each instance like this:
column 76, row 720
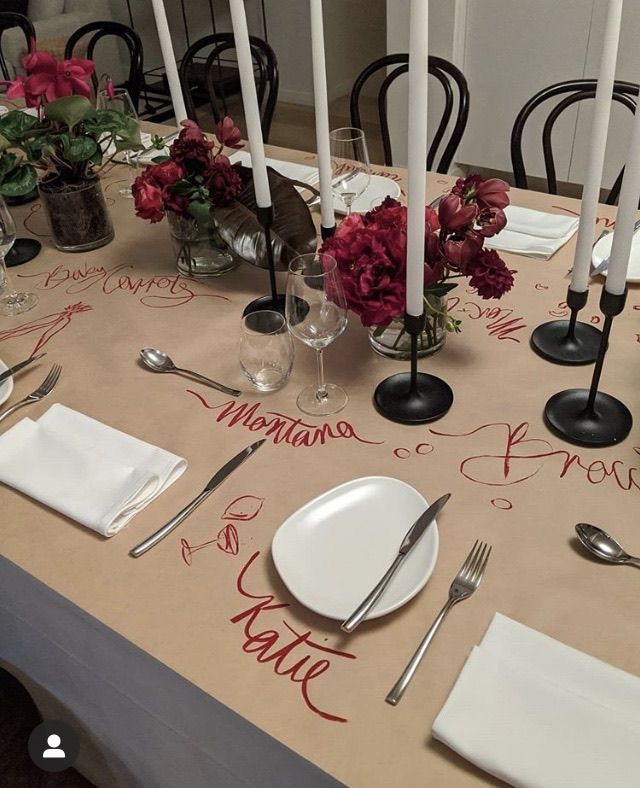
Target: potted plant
column 62, row 149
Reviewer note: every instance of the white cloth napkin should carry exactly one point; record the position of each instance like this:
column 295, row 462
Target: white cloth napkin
column 297, row 172
column 537, row 713
column 90, row 472
column 533, row 233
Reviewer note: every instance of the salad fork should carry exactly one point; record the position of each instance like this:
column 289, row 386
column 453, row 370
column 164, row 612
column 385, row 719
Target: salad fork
column 464, row 584
column 43, row 389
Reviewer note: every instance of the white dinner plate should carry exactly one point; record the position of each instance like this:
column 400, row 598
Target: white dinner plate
column 603, row 249
column 379, row 187
column 7, row 386
column 333, row 550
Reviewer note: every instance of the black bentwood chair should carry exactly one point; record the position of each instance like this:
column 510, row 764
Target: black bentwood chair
column 575, row 90
column 11, row 19
column 107, row 29
column 455, row 89
column 206, row 75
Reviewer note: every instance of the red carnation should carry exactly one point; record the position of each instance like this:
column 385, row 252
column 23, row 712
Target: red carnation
column 490, row 275
column 148, row 197
column 223, row 180
column 191, row 149
column 166, row 173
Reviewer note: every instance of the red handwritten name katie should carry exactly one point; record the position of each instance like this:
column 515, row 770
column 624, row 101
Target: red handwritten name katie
column 519, row 457
column 291, row 653
column 279, row 427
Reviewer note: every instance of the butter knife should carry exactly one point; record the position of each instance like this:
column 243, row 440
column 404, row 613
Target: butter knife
column 410, row 540
column 9, row 372
column 215, row 481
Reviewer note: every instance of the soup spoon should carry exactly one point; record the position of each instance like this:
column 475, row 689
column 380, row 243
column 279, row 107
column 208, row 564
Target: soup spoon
column 604, row 546
column 160, row 362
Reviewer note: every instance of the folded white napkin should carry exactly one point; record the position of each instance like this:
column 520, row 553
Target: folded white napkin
column 90, row 472
column 535, row 712
column 533, row 233
column 297, row 172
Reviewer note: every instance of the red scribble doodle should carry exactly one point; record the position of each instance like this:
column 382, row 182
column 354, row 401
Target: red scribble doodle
column 34, row 210
column 502, row 503
column 638, row 338
column 422, row 449
column 157, row 292
column 279, row 427
column 246, row 507
column 500, row 323
column 540, row 286
column 562, row 310
column 227, row 539
column 49, row 325
column 299, row 647
column 519, row 458
column 401, row 453
column 595, row 319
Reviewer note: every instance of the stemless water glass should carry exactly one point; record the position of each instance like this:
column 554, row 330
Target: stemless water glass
column 317, row 314
column 14, row 303
column 119, row 100
column 266, row 350
column 350, row 169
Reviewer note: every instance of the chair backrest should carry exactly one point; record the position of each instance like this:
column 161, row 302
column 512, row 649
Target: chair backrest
column 575, row 90
column 11, row 19
column 131, row 39
column 204, row 69
column 456, row 103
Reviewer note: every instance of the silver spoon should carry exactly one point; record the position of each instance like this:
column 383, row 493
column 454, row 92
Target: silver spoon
column 160, row 362
column 604, row 546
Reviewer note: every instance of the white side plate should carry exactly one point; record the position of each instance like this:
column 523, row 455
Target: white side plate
column 333, row 550
column 379, row 187
column 7, row 387
column 603, row 249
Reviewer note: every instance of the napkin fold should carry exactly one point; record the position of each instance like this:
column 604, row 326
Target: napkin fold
column 533, row 233
column 90, row 472
column 537, row 713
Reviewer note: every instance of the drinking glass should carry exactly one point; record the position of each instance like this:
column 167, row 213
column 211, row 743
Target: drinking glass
column 15, row 303
column 266, row 350
column 350, row 170
column 120, row 101
column 316, row 312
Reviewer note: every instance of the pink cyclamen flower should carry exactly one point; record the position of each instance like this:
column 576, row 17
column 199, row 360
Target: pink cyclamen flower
column 111, row 93
column 228, row 133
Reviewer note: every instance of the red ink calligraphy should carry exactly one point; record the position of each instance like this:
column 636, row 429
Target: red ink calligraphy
column 244, row 508
column 540, row 286
column 500, row 320
column 49, row 325
column 300, row 658
column 595, row 319
column 502, row 503
column 279, row 427
column 401, row 453
column 562, row 310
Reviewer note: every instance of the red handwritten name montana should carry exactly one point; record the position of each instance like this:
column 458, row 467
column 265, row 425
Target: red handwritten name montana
column 279, row 427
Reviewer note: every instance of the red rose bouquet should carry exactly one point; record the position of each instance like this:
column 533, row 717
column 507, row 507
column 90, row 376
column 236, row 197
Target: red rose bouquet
column 371, row 251
column 195, row 178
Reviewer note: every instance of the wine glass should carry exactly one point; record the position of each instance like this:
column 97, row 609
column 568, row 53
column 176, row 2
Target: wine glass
column 316, row 312
column 14, row 303
column 350, row 170
column 119, row 100
column 266, row 350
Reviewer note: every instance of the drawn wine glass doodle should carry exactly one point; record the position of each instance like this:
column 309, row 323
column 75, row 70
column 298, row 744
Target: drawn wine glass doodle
column 47, row 327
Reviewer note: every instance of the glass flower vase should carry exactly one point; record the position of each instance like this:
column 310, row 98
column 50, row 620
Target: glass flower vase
column 200, row 250
column 392, row 341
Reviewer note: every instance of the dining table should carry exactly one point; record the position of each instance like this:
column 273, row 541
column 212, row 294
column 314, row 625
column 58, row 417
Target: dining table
column 194, row 664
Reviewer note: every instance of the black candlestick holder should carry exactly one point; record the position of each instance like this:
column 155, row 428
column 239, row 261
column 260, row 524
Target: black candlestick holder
column 568, row 342
column 275, row 301
column 413, row 397
column 588, row 417
column 327, row 232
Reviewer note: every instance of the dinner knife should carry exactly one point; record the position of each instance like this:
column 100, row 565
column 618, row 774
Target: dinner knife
column 408, row 543
column 9, row 372
column 215, row 481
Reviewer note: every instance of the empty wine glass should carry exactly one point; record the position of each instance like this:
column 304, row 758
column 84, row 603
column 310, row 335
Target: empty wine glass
column 266, row 350
column 15, row 303
column 316, row 312
column 119, row 100
column 350, row 170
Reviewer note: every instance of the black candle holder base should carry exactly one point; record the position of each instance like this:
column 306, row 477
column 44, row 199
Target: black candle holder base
column 568, row 415
column 397, row 400
column 276, row 304
column 22, row 251
column 554, row 342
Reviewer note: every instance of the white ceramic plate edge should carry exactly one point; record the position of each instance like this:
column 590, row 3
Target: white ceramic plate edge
column 7, row 386
column 603, row 247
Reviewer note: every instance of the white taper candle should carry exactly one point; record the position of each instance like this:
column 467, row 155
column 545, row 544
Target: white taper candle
column 250, row 103
column 169, row 58
column 417, row 153
column 321, row 103
column 597, row 145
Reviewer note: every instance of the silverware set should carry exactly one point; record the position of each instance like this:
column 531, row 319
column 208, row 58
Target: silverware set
column 45, row 388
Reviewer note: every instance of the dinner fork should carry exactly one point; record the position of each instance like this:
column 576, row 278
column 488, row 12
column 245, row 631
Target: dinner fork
column 464, row 584
column 43, row 389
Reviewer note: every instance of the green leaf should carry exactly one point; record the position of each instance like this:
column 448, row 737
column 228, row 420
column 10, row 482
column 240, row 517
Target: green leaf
column 80, row 149
column 441, row 289
column 201, row 211
column 15, row 124
column 7, row 163
column 23, row 182
column 4, row 143
column 69, row 110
